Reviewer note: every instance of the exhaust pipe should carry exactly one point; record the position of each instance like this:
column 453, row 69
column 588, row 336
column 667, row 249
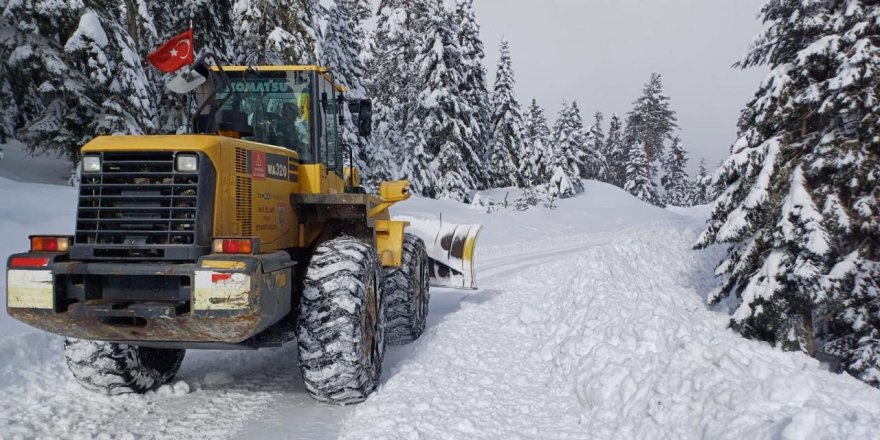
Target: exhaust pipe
column 450, row 250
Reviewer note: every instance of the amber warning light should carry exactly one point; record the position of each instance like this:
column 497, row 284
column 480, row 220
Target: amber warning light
column 49, row 243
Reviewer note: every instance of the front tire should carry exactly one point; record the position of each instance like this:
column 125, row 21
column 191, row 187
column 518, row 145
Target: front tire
column 341, row 327
column 111, row 368
column 407, row 293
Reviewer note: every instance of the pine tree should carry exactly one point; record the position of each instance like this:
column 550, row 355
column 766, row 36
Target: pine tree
column 566, row 166
column 616, row 155
column 593, row 164
column 537, row 157
column 597, row 144
column 639, row 171
column 506, row 144
column 340, row 51
column 651, row 122
column 676, row 182
column 8, row 107
column 587, row 160
column 439, row 144
column 275, row 31
column 702, row 192
column 51, row 109
column 343, row 43
column 79, row 73
column 212, row 23
column 118, row 81
column 799, row 202
column 474, row 88
column 392, row 75
column 638, row 176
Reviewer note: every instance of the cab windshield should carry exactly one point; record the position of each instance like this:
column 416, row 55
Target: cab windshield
column 277, row 106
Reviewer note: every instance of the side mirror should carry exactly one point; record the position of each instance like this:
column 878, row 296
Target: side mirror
column 365, row 118
column 362, row 114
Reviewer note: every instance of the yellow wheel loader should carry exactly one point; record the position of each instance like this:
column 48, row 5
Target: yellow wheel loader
column 250, row 232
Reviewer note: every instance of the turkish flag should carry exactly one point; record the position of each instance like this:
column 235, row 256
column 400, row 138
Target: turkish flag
column 175, row 53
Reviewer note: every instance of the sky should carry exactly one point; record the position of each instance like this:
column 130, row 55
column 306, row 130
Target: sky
column 601, row 52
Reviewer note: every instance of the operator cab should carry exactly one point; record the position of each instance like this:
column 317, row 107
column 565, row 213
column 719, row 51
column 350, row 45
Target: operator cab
column 293, row 107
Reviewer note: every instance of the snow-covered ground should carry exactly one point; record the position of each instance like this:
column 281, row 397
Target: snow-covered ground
column 17, row 164
column 590, row 323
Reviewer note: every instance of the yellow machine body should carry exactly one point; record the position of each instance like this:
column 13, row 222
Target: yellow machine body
column 254, row 186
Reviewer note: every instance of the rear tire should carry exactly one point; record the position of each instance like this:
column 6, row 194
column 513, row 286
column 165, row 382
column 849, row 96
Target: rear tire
column 407, row 293
column 111, row 368
column 341, row 327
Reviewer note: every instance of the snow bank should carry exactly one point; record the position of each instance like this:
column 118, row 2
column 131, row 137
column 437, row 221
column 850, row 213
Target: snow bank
column 18, row 165
column 613, row 341
column 600, row 208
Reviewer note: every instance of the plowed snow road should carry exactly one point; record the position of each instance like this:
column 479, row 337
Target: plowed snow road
column 238, row 394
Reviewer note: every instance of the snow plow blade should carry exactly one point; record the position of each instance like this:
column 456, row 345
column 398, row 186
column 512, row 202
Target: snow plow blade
column 450, row 249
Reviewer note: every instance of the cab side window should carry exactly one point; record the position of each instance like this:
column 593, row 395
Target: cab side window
column 329, row 130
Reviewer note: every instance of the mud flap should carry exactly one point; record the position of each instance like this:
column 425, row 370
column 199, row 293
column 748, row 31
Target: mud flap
column 450, row 249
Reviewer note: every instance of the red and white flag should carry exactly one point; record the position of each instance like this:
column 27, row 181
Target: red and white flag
column 175, row 53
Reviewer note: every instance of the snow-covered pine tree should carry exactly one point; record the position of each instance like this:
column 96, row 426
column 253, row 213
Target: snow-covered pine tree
column 52, row 110
column 78, row 72
column 537, row 157
column 102, row 46
column 211, row 21
column 800, row 200
column 597, row 144
column 638, row 176
column 638, row 170
column 8, row 107
column 474, row 88
column 616, row 154
column 391, row 76
column 649, row 125
column 676, row 182
column 651, row 122
column 341, row 50
column 588, row 162
column 275, row 31
column 566, row 166
column 506, row 144
column 438, row 131
column 212, row 29
column 702, row 192
column 342, row 45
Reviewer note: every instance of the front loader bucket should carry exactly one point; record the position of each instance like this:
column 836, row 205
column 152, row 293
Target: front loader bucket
column 450, row 249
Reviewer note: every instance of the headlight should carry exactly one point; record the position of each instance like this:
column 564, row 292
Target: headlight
column 187, row 163
column 91, row 164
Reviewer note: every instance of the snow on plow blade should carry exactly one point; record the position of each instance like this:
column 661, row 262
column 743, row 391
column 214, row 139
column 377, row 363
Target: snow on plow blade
column 450, row 249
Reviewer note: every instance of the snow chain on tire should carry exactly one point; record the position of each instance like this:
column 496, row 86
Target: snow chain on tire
column 112, row 368
column 342, row 322
column 407, row 293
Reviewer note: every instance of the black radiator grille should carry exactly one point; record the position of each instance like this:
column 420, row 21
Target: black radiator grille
column 137, row 200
